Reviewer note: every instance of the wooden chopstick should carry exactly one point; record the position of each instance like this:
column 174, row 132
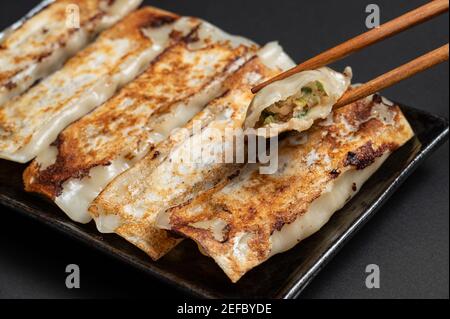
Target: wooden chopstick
column 391, row 28
column 390, row 78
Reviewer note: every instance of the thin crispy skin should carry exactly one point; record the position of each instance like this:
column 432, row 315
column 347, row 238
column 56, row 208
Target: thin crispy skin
column 43, row 42
column 254, row 206
column 112, row 130
column 159, row 180
column 98, row 147
column 97, row 65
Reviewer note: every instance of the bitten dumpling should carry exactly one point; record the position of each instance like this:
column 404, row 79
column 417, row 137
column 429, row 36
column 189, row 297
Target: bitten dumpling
column 297, row 101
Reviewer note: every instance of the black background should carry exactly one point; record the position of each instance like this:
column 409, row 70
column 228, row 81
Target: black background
column 409, row 236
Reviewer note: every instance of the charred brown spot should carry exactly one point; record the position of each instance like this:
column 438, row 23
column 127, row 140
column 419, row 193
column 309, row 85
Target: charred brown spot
column 175, row 234
column 97, row 16
column 366, row 155
column 377, row 99
column 252, row 210
column 176, row 35
column 354, row 188
column 362, row 112
column 192, row 36
column 221, row 208
column 43, row 56
column 180, row 206
column 234, row 175
column 62, row 43
column 281, row 188
column 362, row 158
column 51, row 179
column 58, row 142
column 279, row 223
column 335, row 173
column 160, row 21
column 56, row 175
column 223, row 95
column 226, row 233
column 10, row 85
column 155, row 155
column 128, row 156
column 6, row 129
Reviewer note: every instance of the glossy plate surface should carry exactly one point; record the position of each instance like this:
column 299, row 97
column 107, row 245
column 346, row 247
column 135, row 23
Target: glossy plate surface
column 283, row 276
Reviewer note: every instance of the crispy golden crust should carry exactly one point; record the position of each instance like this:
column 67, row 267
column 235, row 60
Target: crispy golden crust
column 25, row 116
column 251, row 207
column 159, row 180
column 44, row 33
column 123, row 124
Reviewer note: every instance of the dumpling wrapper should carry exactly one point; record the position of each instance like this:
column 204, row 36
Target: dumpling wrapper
column 33, row 120
column 244, row 221
column 41, row 42
column 91, row 152
column 174, row 171
column 333, row 84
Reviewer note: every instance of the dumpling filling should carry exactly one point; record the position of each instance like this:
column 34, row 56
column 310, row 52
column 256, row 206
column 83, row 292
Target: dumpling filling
column 296, row 106
column 295, row 103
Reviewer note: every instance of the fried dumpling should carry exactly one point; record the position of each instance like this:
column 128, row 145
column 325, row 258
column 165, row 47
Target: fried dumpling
column 174, row 171
column 244, row 221
column 30, row 123
column 88, row 154
column 293, row 104
column 37, row 46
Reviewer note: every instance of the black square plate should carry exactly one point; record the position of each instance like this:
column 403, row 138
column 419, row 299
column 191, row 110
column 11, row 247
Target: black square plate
column 283, row 276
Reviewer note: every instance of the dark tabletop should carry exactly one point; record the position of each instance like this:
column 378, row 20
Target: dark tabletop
column 408, row 238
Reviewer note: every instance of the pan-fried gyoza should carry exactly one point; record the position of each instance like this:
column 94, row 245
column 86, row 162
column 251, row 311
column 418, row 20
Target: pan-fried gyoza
column 32, row 122
column 244, row 221
column 174, row 172
column 132, row 131
column 297, row 101
column 39, row 45
column 91, row 152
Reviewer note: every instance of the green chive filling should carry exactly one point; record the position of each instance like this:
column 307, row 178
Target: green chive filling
column 296, row 106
